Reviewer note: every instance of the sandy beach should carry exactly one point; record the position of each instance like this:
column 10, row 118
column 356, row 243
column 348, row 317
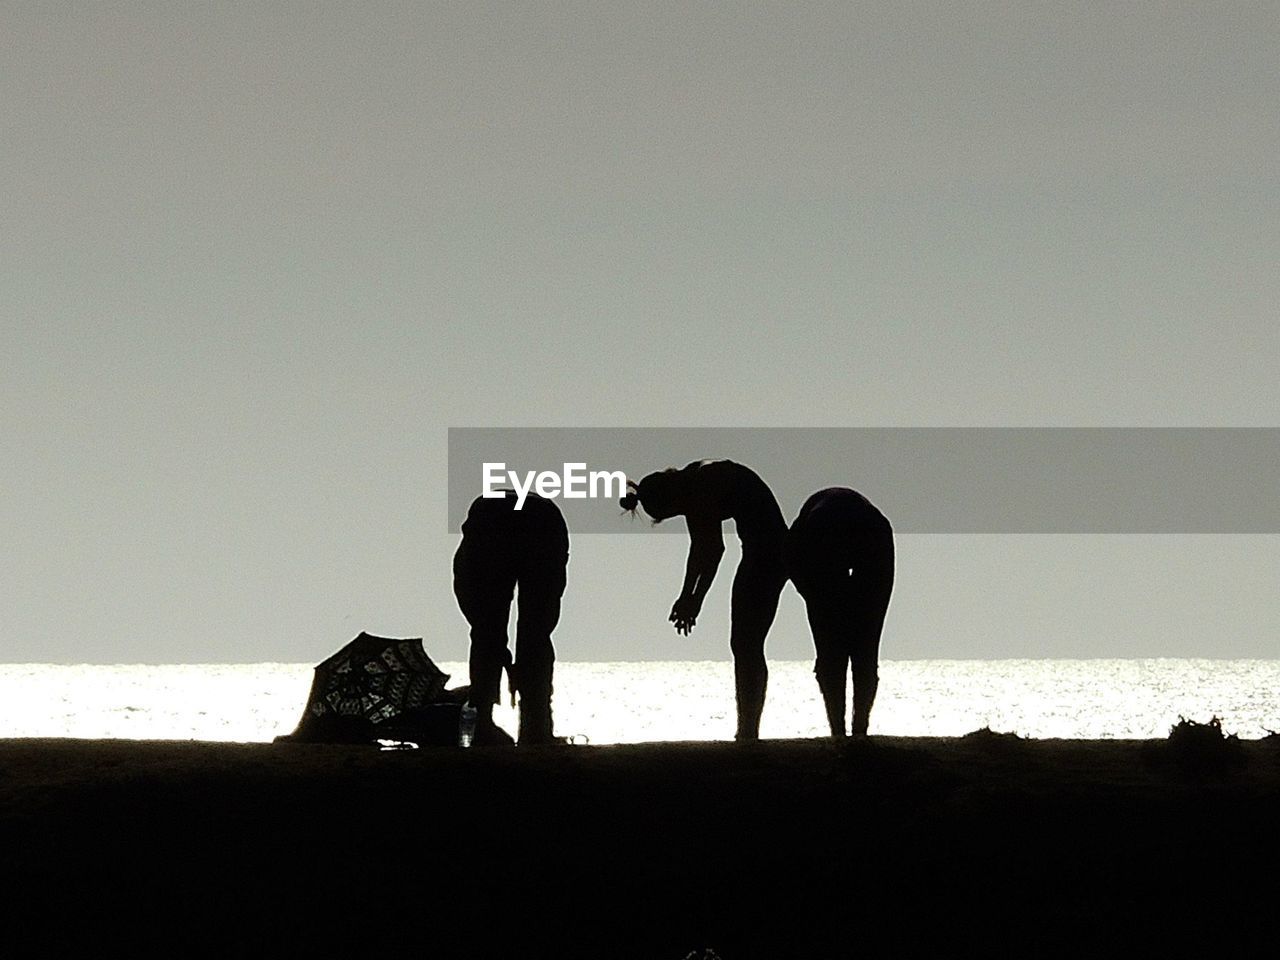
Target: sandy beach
column 776, row 849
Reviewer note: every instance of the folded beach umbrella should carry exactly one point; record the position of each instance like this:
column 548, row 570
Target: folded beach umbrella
column 372, row 685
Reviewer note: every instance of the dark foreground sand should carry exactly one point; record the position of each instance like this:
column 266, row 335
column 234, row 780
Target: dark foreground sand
column 780, row 849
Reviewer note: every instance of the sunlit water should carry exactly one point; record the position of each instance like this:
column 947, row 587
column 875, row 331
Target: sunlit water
column 632, row 702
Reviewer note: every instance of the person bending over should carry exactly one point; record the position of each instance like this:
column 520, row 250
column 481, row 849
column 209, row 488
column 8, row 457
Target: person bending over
column 840, row 557
column 503, row 549
column 706, row 493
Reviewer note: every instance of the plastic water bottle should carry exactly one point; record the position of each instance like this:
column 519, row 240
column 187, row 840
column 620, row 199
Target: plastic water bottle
column 466, row 725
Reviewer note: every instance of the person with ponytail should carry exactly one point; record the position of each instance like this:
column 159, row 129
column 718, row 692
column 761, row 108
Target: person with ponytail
column 706, row 493
column 840, row 558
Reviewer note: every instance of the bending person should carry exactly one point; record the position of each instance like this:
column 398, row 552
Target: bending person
column 840, row 557
column 503, row 548
column 706, row 493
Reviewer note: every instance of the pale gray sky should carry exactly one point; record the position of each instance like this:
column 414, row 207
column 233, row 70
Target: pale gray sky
column 258, row 257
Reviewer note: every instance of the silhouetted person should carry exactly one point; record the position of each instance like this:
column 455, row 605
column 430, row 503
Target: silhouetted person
column 840, row 557
column 706, row 493
column 504, row 549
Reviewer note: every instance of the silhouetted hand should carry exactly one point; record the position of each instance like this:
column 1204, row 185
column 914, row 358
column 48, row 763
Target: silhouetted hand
column 684, row 614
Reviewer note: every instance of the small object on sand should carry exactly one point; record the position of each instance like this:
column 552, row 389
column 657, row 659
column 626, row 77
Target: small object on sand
column 1203, row 748
column 467, row 725
column 1192, row 732
column 987, row 735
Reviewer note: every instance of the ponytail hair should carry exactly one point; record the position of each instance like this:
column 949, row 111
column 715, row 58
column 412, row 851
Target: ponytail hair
column 631, row 499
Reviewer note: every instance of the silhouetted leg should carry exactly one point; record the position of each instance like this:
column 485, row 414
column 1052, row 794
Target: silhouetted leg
column 484, row 589
column 866, row 680
column 538, row 614
column 865, row 657
column 756, row 588
column 831, row 667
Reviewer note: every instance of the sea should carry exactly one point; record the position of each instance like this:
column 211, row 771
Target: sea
column 630, row 702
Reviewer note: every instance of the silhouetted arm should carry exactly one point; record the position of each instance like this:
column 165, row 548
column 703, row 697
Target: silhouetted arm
column 706, row 547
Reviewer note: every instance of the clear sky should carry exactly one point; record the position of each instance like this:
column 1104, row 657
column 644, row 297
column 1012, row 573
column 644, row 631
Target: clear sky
column 258, row 257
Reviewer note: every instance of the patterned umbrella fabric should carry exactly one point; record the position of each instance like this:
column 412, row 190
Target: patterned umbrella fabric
column 373, row 685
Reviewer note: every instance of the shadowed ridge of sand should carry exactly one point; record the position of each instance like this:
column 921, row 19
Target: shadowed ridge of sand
column 778, row 848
